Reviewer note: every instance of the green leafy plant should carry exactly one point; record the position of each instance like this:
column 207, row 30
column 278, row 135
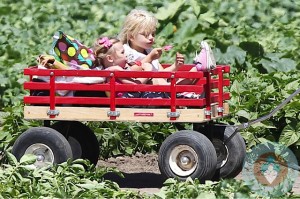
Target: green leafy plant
column 254, row 95
column 229, row 188
column 259, row 42
column 12, row 126
column 72, row 179
column 125, row 138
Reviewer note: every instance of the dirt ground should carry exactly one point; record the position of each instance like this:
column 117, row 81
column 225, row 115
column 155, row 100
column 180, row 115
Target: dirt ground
column 142, row 173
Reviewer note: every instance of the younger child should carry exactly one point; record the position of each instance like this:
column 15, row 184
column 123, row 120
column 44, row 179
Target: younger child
column 109, row 53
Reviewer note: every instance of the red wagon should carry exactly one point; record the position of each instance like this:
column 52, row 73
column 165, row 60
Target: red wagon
column 199, row 153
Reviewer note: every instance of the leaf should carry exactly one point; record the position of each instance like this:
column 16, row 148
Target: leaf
column 237, row 53
column 5, row 9
column 27, row 19
column 273, row 62
column 11, row 159
column 170, row 10
column 183, row 34
column 89, row 186
column 259, row 124
column 288, row 137
column 129, row 150
column 167, row 30
column 292, row 86
column 28, row 159
column 233, row 54
column 207, row 195
column 196, row 7
column 270, row 89
column 170, row 181
column 77, row 167
column 161, row 194
column 243, row 113
column 209, row 17
column 263, row 140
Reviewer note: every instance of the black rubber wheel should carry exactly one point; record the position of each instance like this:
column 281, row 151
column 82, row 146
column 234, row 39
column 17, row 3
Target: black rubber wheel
column 230, row 155
column 83, row 141
column 47, row 144
column 186, row 154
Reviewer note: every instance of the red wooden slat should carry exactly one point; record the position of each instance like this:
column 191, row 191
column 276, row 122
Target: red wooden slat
column 208, row 95
column 215, row 83
column 220, row 97
column 206, row 81
column 36, row 85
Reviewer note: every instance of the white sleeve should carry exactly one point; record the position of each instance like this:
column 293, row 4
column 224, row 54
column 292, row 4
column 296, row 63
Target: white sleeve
column 131, row 54
column 89, row 80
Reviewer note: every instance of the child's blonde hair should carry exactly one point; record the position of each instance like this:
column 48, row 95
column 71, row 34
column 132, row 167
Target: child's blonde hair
column 104, row 46
column 135, row 22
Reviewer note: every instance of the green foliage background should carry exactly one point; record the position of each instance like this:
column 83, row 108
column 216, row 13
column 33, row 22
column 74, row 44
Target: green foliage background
column 259, row 39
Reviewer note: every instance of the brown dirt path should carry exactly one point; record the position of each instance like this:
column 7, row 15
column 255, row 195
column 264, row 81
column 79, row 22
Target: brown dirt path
column 142, row 173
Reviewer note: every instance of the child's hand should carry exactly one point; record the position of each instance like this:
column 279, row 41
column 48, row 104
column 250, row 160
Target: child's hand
column 155, row 53
column 179, row 60
column 46, row 60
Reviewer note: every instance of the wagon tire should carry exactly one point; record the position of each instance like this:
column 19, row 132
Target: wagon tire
column 186, row 154
column 83, row 141
column 230, row 156
column 46, row 143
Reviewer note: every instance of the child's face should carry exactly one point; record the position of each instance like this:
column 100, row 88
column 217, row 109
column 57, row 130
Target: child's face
column 119, row 55
column 143, row 41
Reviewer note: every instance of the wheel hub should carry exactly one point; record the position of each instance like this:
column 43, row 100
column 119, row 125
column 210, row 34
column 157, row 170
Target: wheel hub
column 44, row 154
column 186, row 160
column 40, row 158
column 183, row 160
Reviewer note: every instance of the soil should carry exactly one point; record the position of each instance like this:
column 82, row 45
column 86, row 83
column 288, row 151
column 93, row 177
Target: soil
column 142, row 173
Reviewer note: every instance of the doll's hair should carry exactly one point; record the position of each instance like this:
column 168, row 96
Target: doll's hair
column 104, row 46
column 137, row 21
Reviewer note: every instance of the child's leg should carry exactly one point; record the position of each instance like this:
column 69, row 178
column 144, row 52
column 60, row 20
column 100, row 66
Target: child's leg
column 160, row 81
column 185, row 81
column 136, row 68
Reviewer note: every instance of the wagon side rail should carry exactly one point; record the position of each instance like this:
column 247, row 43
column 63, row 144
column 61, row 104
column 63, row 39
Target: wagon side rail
column 211, row 106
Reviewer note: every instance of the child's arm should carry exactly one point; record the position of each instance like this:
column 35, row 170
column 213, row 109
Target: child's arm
column 179, row 61
column 48, row 61
column 154, row 54
column 129, row 80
